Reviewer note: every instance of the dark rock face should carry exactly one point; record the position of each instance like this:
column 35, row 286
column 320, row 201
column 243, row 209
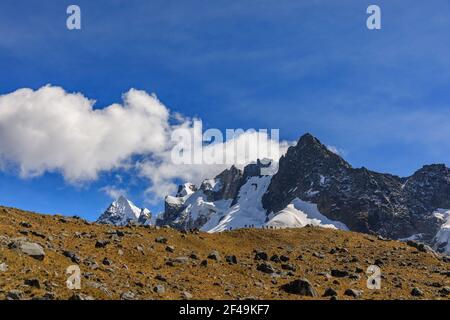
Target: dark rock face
column 225, row 186
column 364, row 200
column 255, row 169
column 230, row 180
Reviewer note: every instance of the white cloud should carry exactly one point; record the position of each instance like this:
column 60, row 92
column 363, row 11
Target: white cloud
column 163, row 172
column 50, row 130
column 113, row 192
column 336, row 150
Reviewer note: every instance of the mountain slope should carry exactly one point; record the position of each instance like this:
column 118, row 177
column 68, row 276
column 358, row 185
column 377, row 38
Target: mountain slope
column 135, row 262
column 316, row 186
column 364, row 200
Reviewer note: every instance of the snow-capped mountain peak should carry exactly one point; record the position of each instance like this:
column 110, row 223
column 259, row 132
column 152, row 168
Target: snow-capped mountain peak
column 122, row 211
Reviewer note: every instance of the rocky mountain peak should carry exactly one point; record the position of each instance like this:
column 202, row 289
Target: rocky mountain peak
column 122, row 211
column 310, row 148
column 305, row 170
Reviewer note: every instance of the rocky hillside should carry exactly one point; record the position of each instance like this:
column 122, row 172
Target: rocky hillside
column 144, row 262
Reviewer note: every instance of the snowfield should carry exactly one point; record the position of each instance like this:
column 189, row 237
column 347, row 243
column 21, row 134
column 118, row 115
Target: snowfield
column 301, row 213
column 442, row 238
column 248, row 210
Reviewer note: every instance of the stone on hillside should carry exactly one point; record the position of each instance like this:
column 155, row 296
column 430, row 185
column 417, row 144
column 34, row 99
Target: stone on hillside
column 33, row 283
column 330, row 292
column 72, row 256
column 14, row 295
column 101, row 243
column 339, row 273
column 352, row 293
column 25, row 224
column 80, row 296
column 32, row 249
column 161, row 240
column 265, row 267
column 214, row 255
column 416, row 292
column 301, row 287
column 231, row 259
column 186, row 295
column 261, row 255
column 128, row 296
column 3, row 267
column 159, row 289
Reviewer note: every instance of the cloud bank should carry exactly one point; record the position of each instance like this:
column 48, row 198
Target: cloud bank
column 51, row 130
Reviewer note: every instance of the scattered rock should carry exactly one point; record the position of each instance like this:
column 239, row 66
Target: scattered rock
column 107, row 262
column 445, row 291
column 186, row 295
column 128, row 296
column 3, row 267
column 101, row 243
column 416, row 292
column 91, row 263
column 72, row 256
column 231, row 259
column 261, row 255
column 160, row 278
column 170, row 249
column 329, row 292
column 49, row 296
column 25, row 224
column 14, row 295
column 288, row 266
column 177, row 261
column 159, row 289
column 38, row 234
column 318, row 255
column 265, row 267
column 420, row 246
column 80, row 296
column 32, row 249
column 378, row 262
column 301, row 287
column 33, row 283
column 214, row 255
column 275, row 258
column 194, row 256
column 352, row 293
column 339, row 273
column 161, row 240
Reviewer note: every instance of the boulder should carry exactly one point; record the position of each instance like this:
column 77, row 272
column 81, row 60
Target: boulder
column 301, row 287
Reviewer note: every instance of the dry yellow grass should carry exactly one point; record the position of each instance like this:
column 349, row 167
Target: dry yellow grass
column 138, row 263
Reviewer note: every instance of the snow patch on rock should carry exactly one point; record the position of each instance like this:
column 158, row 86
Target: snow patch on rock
column 442, row 239
column 300, row 213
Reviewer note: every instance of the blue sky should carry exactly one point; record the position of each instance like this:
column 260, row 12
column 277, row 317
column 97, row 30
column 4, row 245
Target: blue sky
column 302, row 66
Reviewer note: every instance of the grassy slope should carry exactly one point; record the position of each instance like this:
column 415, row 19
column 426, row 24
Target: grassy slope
column 135, row 270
